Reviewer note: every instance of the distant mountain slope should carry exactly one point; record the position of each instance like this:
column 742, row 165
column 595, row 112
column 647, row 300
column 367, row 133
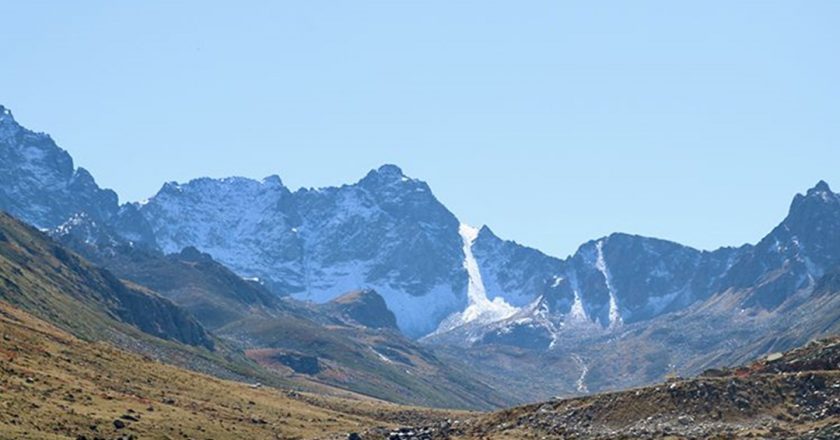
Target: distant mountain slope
column 382, row 364
column 389, row 233
column 624, row 279
column 351, row 342
column 43, row 277
column 41, row 186
column 715, row 309
column 53, row 283
column 386, row 232
column 191, row 279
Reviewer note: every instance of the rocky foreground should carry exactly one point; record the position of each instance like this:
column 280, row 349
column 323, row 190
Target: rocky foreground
column 790, row 396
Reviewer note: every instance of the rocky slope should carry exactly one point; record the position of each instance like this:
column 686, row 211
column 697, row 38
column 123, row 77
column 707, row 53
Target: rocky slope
column 363, row 307
column 791, row 396
column 43, row 277
column 796, row 396
column 40, row 184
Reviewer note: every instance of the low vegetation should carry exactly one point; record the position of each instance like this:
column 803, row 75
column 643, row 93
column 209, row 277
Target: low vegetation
column 56, row 386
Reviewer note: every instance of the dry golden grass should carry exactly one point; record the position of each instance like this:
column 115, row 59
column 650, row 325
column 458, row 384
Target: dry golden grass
column 54, row 386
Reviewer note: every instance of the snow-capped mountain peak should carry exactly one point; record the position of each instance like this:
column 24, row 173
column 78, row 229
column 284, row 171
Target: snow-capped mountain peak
column 40, row 184
column 388, row 232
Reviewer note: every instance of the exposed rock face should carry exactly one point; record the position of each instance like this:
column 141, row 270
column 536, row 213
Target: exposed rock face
column 364, row 307
column 796, row 253
column 386, row 232
column 624, row 279
column 299, row 363
column 512, row 271
column 248, row 225
column 40, row 185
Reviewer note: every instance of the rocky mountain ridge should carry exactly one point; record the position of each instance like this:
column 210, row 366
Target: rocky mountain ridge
column 43, row 277
column 623, row 279
column 442, row 280
column 387, row 232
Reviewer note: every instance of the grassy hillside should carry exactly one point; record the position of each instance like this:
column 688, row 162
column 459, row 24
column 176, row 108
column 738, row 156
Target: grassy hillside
column 56, row 386
column 54, row 284
column 43, row 277
column 376, row 362
column 193, row 280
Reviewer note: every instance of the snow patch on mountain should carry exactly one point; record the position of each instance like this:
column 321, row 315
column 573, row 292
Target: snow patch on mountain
column 577, row 313
column 480, row 309
column 584, row 370
column 209, row 213
column 601, row 265
column 381, row 356
column 416, row 314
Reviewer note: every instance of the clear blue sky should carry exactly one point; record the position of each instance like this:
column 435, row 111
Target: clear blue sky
column 552, row 122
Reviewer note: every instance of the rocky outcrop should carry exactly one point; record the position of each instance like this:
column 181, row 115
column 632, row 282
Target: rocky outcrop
column 364, row 307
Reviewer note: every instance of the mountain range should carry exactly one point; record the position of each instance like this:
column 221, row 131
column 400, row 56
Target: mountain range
column 623, row 310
